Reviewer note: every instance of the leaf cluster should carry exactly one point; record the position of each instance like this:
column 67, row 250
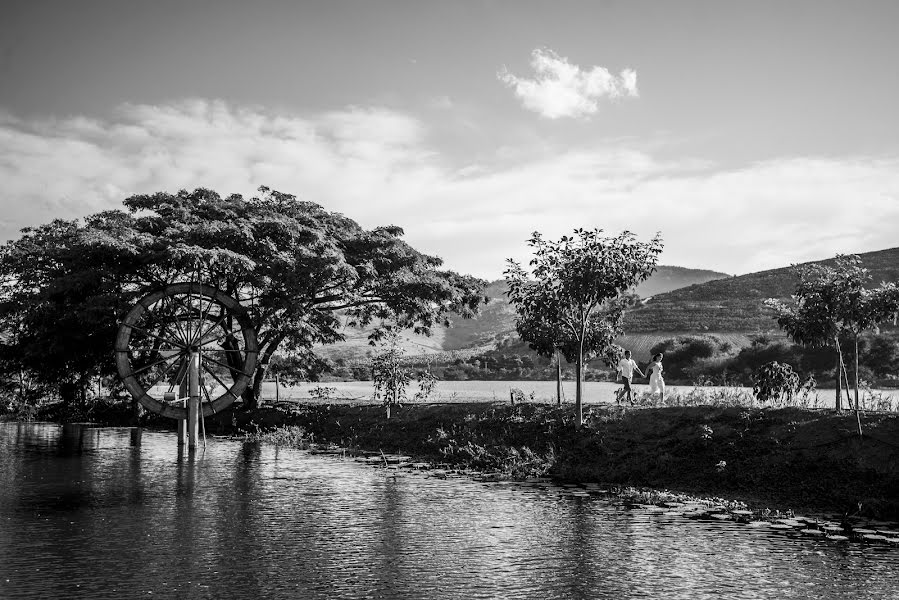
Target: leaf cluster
column 833, row 300
column 300, row 269
column 574, row 296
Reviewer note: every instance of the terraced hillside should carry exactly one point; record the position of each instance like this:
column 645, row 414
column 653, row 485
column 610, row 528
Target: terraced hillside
column 735, row 304
column 496, row 320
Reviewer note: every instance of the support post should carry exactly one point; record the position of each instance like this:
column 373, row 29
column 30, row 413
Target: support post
column 193, row 401
column 182, row 423
column 558, row 378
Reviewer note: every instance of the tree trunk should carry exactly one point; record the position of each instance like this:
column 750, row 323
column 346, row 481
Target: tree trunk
column 578, row 406
column 253, row 392
column 856, row 372
column 839, row 373
column 846, row 387
column 68, row 392
column 558, row 378
column 135, row 412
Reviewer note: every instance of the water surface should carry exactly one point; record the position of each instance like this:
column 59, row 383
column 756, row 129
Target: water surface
column 86, row 513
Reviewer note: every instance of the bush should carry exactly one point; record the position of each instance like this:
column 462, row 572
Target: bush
column 682, row 353
column 775, row 380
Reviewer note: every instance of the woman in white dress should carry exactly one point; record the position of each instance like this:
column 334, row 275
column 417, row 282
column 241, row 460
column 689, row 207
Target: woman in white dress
column 656, row 383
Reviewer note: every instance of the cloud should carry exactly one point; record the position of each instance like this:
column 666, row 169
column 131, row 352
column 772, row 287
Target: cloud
column 378, row 167
column 561, row 89
column 75, row 166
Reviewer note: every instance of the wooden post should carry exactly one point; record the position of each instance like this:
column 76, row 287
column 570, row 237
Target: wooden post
column 193, row 400
column 277, row 389
column 558, row 378
column 182, row 423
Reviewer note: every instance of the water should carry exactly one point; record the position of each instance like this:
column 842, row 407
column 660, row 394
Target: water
column 86, row 514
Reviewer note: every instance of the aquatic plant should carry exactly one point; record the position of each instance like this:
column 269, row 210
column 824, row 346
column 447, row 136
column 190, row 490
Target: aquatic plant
column 292, row 436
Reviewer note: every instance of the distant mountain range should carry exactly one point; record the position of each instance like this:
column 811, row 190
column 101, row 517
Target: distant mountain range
column 496, row 320
column 678, row 301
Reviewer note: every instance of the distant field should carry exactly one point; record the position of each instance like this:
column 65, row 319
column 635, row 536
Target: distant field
column 595, row 392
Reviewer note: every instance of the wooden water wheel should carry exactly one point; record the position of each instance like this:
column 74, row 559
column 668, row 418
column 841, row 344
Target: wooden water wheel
column 158, row 336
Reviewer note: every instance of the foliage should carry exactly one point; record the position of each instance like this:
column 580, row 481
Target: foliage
column 880, row 354
column 297, row 267
column 321, row 392
column 570, row 301
column 391, row 377
column 831, row 301
column 298, row 367
column 684, row 352
column 775, row 381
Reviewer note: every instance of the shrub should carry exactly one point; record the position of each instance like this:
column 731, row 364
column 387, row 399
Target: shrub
column 775, row 380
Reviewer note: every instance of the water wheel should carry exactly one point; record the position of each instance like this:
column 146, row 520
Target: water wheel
column 158, row 336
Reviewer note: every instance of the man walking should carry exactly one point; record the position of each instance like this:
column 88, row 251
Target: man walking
column 626, row 368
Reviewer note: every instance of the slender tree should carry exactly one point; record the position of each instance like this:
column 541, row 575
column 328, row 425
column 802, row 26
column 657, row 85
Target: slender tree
column 833, row 301
column 571, row 300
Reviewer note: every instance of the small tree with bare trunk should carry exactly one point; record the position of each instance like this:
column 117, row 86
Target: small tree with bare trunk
column 572, row 298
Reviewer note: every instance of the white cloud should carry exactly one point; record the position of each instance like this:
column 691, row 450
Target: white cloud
column 561, row 89
column 376, row 166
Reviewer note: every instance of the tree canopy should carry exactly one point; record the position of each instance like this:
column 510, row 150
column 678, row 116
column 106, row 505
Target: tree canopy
column 574, row 296
column 298, row 267
column 831, row 301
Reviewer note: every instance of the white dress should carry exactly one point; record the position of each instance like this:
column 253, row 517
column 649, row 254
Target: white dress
column 656, row 383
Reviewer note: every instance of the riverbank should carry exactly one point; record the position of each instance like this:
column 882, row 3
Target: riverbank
column 792, row 458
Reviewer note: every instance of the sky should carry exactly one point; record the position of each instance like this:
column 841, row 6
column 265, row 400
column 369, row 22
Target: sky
column 751, row 135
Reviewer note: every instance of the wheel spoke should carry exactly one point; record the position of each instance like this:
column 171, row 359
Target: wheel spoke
column 153, row 335
column 230, row 368
column 175, row 320
column 203, row 316
column 190, row 310
column 221, row 320
column 184, row 316
column 214, row 376
column 222, row 349
column 161, row 377
column 151, row 365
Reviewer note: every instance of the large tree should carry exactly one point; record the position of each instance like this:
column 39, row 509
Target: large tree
column 300, row 269
column 573, row 297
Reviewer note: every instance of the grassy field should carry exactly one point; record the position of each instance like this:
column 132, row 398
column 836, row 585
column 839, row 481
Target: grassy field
column 595, row 392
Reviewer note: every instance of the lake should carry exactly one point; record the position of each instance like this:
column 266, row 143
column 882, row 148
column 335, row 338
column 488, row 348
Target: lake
column 104, row 513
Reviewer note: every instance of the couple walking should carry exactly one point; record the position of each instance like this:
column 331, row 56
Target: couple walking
column 626, row 368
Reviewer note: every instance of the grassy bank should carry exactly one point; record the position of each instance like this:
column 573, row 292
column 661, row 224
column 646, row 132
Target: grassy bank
column 802, row 459
column 787, row 458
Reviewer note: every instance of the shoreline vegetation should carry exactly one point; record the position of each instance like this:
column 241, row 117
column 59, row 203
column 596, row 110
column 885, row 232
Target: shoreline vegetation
column 769, row 463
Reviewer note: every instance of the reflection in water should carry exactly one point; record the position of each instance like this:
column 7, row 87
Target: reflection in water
column 110, row 513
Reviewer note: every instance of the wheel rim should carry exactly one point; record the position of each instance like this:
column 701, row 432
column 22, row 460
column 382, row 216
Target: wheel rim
column 162, row 329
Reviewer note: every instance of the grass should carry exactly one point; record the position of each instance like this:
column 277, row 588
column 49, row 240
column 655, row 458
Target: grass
column 706, row 442
column 724, row 396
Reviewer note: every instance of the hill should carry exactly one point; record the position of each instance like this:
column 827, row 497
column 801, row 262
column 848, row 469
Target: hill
column 496, row 320
column 667, row 278
column 735, row 304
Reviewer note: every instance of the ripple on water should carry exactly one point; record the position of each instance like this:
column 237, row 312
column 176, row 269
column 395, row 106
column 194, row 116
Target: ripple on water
column 89, row 516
